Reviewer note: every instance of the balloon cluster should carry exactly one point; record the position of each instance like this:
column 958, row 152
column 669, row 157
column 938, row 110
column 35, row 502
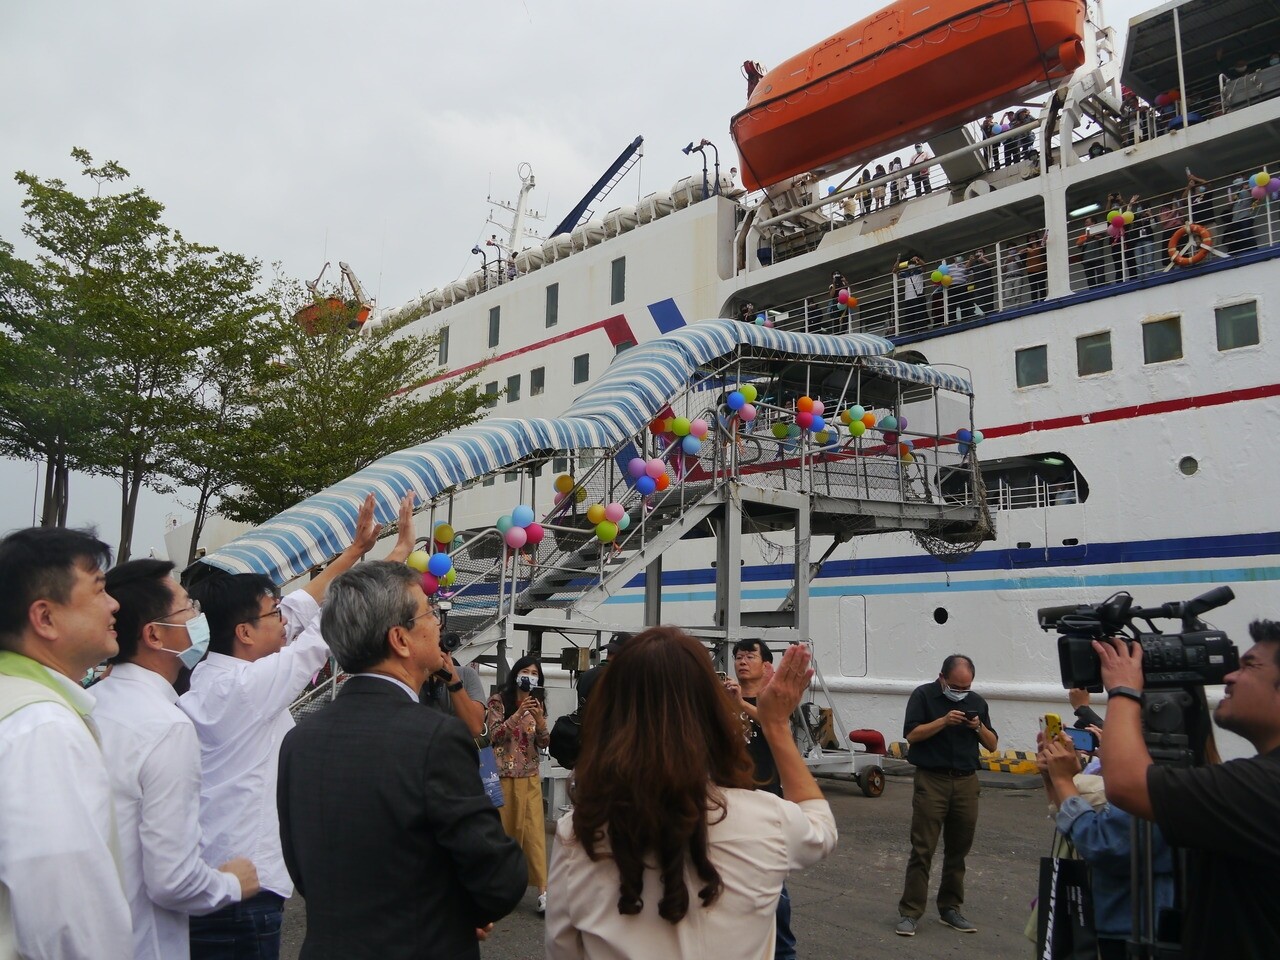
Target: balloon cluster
column 565, row 483
column 688, row 432
column 809, row 415
column 518, row 529
column 436, row 568
column 858, row 420
column 1263, row 183
column 741, row 401
column 764, row 320
column 942, row 276
column 966, row 439
column 1168, row 98
column 649, row 476
column 1117, row 220
column 609, row 519
column 846, row 299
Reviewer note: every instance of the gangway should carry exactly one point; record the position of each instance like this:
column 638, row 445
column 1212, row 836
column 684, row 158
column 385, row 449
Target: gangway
column 620, row 167
column 754, row 470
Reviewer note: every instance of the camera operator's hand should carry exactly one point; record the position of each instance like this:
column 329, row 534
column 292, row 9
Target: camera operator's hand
column 1077, row 698
column 955, row 718
column 1121, row 663
column 1060, row 757
column 448, row 673
column 973, row 723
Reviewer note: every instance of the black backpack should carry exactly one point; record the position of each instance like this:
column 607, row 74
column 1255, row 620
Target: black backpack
column 566, row 740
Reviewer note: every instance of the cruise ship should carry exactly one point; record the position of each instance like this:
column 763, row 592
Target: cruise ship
column 1089, row 245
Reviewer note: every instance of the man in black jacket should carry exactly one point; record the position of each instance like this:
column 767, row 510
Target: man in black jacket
column 386, row 829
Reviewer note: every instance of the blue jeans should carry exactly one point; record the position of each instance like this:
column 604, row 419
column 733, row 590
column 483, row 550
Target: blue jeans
column 784, row 944
column 249, row 930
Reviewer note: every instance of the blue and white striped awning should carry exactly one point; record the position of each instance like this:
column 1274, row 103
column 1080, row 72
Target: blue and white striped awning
column 638, row 384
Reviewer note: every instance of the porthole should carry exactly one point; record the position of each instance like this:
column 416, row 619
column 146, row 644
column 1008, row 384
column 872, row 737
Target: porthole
column 1189, row 466
column 940, row 615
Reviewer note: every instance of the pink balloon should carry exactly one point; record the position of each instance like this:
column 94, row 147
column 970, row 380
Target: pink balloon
column 534, row 534
column 635, row 467
column 804, row 419
column 748, row 412
column 613, row 512
column 818, row 408
column 430, row 584
column 698, row 428
column 558, row 497
column 843, row 296
column 516, row 538
column 769, row 322
column 1259, row 193
column 655, row 468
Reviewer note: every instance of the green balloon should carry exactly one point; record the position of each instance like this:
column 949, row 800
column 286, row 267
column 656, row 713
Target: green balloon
column 780, row 431
column 505, row 523
column 606, row 531
column 857, row 428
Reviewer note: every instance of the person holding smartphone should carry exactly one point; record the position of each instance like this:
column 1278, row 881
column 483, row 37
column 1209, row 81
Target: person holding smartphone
column 518, row 730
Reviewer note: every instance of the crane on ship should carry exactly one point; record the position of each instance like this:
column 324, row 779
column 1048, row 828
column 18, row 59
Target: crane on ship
column 323, row 305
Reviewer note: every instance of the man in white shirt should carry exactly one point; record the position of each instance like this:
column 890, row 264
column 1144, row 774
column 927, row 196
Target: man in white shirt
column 61, row 894
column 153, row 758
column 263, row 650
column 921, row 177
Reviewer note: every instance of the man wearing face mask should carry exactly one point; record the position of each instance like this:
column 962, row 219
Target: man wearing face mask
column 945, row 724
column 153, row 758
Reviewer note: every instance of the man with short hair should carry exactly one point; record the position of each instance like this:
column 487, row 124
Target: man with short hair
column 153, row 758
column 385, row 826
column 921, row 177
column 61, row 894
column 1227, row 816
column 946, row 722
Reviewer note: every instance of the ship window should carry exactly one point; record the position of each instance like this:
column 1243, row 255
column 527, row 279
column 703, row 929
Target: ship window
column 618, row 284
column 1035, row 481
column 537, row 381
column 491, row 394
column 559, row 465
column 623, row 347
column 1093, row 353
column 509, row 476
column 443, row 355
column 1237, row 325
column 553, row 304
column 495, row 322
column 582, row 368
column 1162, row 340
column 1032, row 365
column 513, row 388
column 487, row 482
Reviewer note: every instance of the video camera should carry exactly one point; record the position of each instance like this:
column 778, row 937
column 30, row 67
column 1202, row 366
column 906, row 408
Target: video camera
column 1195, row 656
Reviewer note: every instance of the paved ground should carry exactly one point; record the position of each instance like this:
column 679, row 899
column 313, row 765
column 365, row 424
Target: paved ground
column 847, row 905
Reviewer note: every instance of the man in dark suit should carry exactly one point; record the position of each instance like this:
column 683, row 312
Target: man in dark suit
column 386, row 829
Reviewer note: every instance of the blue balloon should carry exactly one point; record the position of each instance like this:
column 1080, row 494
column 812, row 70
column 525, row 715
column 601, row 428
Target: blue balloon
column 690, row 445
column 646, row 485
column 830, row 191
column 944, row 269
column 818, row 425
column 522, row 516
column 963, row 448
column 887, row 424
column 735, row 400
column 963, row 435
column 439, row 564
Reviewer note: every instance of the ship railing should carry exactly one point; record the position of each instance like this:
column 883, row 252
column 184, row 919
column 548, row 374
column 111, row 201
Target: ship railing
column 1038, row 494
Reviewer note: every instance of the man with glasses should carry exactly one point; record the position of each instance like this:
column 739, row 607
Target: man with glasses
column 153, row 758
column 945, row 724
column 263, row 651
column 385, row 826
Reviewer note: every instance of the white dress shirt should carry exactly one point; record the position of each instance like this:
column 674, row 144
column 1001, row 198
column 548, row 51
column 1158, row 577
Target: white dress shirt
column 60, row 890
column 241, row 714
column 153, row 759
column 758, row 841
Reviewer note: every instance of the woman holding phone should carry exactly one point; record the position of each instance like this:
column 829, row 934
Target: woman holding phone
column 518, row 730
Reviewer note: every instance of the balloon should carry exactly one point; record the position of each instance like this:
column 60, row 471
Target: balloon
column 564, row 483
column 868, row 420
column 655, row 468
column 749, row 392
column 805, row 405
column 804, row 420
column 1258, row 193
column 439, row 565
column 978, row 437
column 533, row 534
column 614, row 512
column 936, row 276
column 662, row 482
column 909, row 443
column 818, row 424
column 558, row 498
column 844, row 417
column 822, row 436
column 857, row 428
column 667, row 424
column 430, row 584
column 522, row 516
column 515, row 538
column 1127, row 216
column 902, row 423
column 760, row 318
column 635, row 467
column 963, row 448
column 735, row 400
column 680, row 426
column 904, row 449
column 944, row 269
column 606, row 531
column 690, row 445
column 595, row 513
column 963, row 435
column 624, row 521
column 843, row 296
column 505, row 523
column 457, row 542
column 888, row 423
column 1162, row 100
column 890, row 437
column 856, row 412
column 443, row 533
column 448, row 579
column 830, row 190
column 793, row 430
column 645, row 485
column 818, row 408
column 418, row 561
column 1273, row 186
column 747, row 413
column 779, row 430
column 769, row 323
column 698, row 428
column 908, row 458
column 1114, row 215
column 1261, row 178
column 946, row 279
column 1116, row 230
column 579, row 495
column 853, row 302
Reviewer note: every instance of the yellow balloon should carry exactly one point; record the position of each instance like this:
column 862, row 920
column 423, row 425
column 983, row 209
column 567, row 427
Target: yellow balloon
column 564, row 483
column 443, row 533
column 449, row 577
column 418, row 560
column 595, row 513
column 580, row 496
column 749, row 393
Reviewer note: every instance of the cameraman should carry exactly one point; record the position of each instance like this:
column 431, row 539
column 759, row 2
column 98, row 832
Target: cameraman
column 456, row 690
column 1227, row 816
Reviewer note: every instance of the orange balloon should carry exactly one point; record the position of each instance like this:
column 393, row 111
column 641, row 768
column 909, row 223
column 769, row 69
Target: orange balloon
column 853, row 301
column 869, row 420
column 805, row 404
column 662, row 482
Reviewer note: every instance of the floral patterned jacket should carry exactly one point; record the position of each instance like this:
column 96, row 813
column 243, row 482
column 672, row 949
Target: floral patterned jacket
column 516, row 741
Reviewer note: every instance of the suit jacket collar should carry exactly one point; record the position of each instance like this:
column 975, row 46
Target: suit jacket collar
column 374, row 685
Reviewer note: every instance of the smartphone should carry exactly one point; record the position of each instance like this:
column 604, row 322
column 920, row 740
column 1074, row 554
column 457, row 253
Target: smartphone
column 1082, row 739
column 539, row 694
column 971, row 714
column 722, row 675
column 1051, row 726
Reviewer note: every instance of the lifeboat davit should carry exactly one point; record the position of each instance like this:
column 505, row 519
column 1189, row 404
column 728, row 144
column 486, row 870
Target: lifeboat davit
column 900, row 76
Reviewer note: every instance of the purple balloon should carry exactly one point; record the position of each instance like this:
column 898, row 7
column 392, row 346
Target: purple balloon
column 635, row 467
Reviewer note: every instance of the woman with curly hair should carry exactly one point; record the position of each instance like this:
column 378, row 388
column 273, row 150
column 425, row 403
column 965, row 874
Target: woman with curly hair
column 665, row 815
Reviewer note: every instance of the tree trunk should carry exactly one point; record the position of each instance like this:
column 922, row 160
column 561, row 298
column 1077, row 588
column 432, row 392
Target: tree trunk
column 202, row 517
column 62, row 491
column 130, row 487
column 48, row 517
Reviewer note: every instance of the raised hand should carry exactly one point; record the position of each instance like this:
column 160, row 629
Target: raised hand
column 786, row 687
column 367, row 528
column 404, row 529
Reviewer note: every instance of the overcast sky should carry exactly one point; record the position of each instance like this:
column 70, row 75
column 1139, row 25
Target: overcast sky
column 305, row 132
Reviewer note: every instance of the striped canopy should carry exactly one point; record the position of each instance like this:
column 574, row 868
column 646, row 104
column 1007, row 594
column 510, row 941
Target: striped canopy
column 638, row 384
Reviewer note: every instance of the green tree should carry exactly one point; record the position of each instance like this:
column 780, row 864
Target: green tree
column 337, row 400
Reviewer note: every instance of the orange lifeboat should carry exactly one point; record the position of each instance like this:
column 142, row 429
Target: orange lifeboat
column 900, row 76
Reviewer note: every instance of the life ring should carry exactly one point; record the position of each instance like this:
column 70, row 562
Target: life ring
column 1202, row 239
